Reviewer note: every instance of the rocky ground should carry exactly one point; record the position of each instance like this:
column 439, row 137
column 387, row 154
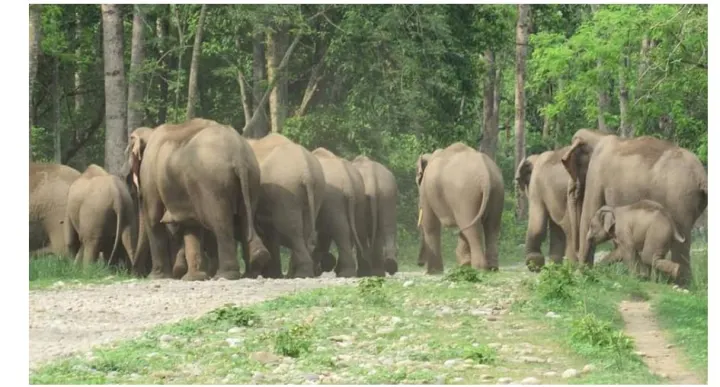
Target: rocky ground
column 67, row 319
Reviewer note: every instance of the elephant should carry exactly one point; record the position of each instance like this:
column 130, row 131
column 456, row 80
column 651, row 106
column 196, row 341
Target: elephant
column 49, row 186
column 459, row 187
column 293, row 187
column 615, row 171
column 643, row 228
column 341, row 218
column 545, row 182
column 198, row 176
column 100, row 213
column 381, row 192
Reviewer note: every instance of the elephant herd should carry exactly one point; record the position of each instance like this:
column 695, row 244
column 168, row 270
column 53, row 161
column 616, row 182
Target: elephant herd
column 191, row 192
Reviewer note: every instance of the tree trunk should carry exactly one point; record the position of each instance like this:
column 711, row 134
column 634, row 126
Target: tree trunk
column 137, row 57
column 520, row 54
column 56, row 95
column 602, row 94
column 194, row 65
column 260, row 129
column 488, row 144
column 161, row 28
column 276, row 46
column 546, row 116
column 80, row 158
column 115, row 89
column 497, row 95
column 314, row 80
column 35, row 30
column 181, row 51
column 625, row 126
column 245, row 96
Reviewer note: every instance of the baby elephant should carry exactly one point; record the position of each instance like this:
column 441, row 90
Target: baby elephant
column 643, row 228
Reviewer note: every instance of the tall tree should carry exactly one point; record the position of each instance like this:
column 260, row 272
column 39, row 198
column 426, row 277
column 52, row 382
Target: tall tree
column 34, row 50
column 137, row 57
column 603, row 98
column 194, row 64
column 276, row 46
column 261, row 128
column 521, row 41
column 161, row 31
column 56, row 96
column 488, row 143
column 115, row 88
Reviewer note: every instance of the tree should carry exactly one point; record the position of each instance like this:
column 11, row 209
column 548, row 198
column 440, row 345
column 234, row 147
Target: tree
column 115, row 88
column 520, row 54
column 137, row 57
column 195, row 64
column 34, row 49
column 276, row 46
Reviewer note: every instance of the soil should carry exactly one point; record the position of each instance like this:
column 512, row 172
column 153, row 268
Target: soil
column 660, row 357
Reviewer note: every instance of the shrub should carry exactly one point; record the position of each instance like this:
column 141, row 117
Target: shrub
column 293, row 341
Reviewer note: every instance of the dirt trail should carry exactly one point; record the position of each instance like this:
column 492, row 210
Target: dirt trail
column 661, row 358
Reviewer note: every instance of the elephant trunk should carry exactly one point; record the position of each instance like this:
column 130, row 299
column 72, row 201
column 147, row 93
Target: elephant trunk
column 119, row 215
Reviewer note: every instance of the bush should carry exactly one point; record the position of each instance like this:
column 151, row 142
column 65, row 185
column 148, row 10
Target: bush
column 589, row 330
column 464, row 274
column 481, row 354
column 556, row 282
column 294, row 341
column 232, row 316
column 371, row 289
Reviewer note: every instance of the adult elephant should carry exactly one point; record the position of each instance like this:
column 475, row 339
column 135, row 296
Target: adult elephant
column 381, row 193
column 198, row 175
column 623, row 171
column 293, row 188
column 545, row 182
column 49, row 186
column 460, row 187
column 100, row 213
column 342, row 217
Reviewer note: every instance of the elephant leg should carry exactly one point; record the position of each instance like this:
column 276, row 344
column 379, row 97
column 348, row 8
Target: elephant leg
column 324, row 260
column 558, row 242
column 300, row 259
column 72, row 240
column 91, row 249
column 210, row 252
column 462, row 251
column 274, row 267
column 593, row 200
column 56, row 233
column 159, row 253
column 472, row 235
column 655, row 258
column 536, row 232
column 430, row 252
column 491, row 228
column 346, row 266
column 193, row 254
column 616, row 255
column 228, row 265
column 379, row 263
column 681, row 255
column 180, row 267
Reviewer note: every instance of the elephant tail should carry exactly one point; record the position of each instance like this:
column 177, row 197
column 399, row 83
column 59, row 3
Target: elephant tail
column 676, row 233
column 242, row 174
column 310, row 191
column 483, row 206
column 351, row 215
column 373, row 218
column 119, row 215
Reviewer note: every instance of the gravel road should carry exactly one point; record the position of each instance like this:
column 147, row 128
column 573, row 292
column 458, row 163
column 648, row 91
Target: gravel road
column 67, row 320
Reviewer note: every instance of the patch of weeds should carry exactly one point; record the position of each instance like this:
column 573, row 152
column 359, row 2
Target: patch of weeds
column 45, row 270
column 556, row 282
column 293, row 341
column 371, row 289
column 464, row 274
column 232, row 316
column 591, row 331
column 481, row 354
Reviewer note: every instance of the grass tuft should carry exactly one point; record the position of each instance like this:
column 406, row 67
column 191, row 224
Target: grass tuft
column 294, row 341
column 464, row 274
column 47, row 270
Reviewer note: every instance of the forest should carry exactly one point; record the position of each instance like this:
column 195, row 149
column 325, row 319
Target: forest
column 388, row 81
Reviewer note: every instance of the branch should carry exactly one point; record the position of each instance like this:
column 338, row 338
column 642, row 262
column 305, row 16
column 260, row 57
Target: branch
column 77, row 144
column 247, row 110
column 255, row 117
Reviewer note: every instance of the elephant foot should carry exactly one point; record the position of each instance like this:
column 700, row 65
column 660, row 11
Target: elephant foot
column 260, row 258
column 228, row 275
column 534, row 262
column 326, row 259
column 378, row 273
column 274, row 274
column 391, row 266
column 179, row 271
column 346, row 273
column 435, row 271
column 195, row 276
column 304, row 270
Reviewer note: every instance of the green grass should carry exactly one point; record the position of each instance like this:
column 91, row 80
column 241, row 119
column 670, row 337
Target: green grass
column 46, row 271
column 458, row 329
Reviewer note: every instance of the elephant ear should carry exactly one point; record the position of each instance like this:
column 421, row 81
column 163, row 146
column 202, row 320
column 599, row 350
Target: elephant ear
column 421, row 165
column 136, row 147
column 523, row 174
column 608, row 220
column 570, row 158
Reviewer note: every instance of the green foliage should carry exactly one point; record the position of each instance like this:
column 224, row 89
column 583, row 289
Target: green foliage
column 464, row 274
column 50, row 269
column 589, row 330
column 481, row 354
column 371, row 290
column 232, row 316
column 556, row 282
column 293, row 341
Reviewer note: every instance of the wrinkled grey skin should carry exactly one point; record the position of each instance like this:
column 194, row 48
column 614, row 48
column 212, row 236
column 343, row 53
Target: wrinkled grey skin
column 381, row 195
column 623, row 171
column 545, row 182
column 342, row 218
column 460, row 187
column 100, row 214
column 643, row 230
column 49, row 186
column 200, row 176
column 293, row 188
